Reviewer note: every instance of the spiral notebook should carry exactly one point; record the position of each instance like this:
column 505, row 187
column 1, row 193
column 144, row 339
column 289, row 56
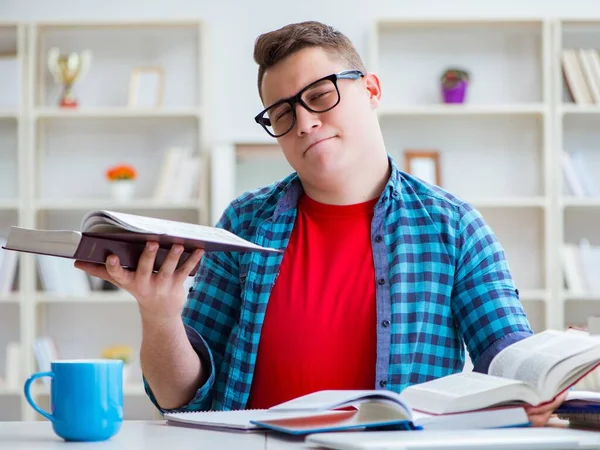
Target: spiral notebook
column 326, row 411
column 319, row 411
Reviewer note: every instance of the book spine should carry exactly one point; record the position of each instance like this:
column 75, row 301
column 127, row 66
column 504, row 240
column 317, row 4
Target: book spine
column 96, row 250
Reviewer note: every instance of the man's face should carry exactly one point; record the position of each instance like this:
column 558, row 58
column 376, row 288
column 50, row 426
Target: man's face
column 323, row 146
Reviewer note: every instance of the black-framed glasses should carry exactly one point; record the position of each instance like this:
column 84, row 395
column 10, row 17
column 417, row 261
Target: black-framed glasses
column 319, row 96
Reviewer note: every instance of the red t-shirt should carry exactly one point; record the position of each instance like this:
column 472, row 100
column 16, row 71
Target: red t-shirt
column 319, row 330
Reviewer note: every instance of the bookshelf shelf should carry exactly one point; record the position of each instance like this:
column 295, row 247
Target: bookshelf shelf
column 534, row 295
column 9, row 204
column 88, row 204
column 572, row 109
column 8, row 114
column 509, row 202
column 12, row 298
column 10, row 391
column 464, row 110
column 589, row 202
column 582, row 296
column 94, row 297
column 117, row 113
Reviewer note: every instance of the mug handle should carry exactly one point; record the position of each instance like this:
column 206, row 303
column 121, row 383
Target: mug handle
column 27, row 391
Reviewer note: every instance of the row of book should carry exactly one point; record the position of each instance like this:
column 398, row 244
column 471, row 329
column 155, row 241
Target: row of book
column 179, row 178
column 581, row 70
column 581, row 266
column 578, row 178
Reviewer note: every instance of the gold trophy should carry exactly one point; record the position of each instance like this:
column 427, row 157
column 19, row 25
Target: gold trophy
column 66, row 69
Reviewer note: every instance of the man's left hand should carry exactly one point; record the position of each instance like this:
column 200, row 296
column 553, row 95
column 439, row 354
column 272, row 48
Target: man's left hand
column 539, row 415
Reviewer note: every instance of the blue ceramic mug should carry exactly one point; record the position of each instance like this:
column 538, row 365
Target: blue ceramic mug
column 86, row 398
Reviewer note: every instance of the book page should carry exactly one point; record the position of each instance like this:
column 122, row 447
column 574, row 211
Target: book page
column 466, row 391
column 460, row 385
column 154, row 225
column 531, row 359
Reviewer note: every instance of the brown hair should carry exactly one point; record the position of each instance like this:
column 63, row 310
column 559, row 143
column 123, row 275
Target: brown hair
column 274, row 46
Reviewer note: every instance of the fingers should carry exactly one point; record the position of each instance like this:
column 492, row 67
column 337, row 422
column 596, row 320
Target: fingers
column 120, row 275
column 170, row 263
column 145, row 265
column 186, row 268
column 539, row 420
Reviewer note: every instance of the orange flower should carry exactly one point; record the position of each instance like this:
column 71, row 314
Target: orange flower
column 120, row 172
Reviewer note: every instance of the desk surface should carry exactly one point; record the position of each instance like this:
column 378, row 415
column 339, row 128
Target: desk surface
column 153, row 435
column 143, row 435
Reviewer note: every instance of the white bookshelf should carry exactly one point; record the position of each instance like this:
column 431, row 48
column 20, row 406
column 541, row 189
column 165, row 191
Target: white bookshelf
column 56, row 172
column 577, row 129
column 495, row 149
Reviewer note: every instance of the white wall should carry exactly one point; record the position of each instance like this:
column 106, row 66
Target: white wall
column 236, row 23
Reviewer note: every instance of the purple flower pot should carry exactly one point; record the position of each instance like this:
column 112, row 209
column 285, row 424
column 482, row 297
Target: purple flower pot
column 455, row 94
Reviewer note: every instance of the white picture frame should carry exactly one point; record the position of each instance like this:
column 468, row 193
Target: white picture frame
column 146, row 87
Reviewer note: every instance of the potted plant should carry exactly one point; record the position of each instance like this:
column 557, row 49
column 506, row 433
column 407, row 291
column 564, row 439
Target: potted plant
column 122, row 181
column 454, row 83
column 122, row 352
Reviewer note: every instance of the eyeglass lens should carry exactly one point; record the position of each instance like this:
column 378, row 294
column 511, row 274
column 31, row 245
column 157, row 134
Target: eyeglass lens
column 318, row 97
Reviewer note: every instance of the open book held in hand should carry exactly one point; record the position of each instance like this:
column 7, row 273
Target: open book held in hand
column 339, row 410
column 532, row 371
column 103, row 233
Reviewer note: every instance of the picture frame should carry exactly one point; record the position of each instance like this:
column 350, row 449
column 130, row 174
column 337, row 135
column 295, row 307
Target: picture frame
column 146, row 87
column 423, row 164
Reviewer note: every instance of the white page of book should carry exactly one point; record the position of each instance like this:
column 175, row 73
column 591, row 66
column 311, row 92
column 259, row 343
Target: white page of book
column 531, row 359
column 462, row 384
column 181, row 229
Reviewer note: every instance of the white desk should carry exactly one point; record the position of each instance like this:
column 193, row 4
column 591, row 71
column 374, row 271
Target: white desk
column 142, row 435
column 151, row 435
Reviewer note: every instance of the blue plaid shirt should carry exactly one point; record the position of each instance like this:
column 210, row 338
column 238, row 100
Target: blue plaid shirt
column 442, row 282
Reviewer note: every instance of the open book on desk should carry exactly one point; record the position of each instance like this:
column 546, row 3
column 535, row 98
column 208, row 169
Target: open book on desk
column 104, row 232
column 339, row 410
column 532, row 371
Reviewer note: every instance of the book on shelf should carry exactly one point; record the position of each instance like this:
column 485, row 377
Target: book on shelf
column 8, row 269
column 341, row 410
column 578, row 178
column 581, row 71
column 532, row 371
column 103, row 233
column 580, row 263
column 179, row 176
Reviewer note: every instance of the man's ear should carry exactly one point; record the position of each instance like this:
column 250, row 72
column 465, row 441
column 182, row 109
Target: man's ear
column 374, row 89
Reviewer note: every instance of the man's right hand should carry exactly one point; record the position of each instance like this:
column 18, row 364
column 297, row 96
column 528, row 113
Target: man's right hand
column 161, row 296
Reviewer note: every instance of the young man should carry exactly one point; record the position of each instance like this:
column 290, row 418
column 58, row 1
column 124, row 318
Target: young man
column 382, row 279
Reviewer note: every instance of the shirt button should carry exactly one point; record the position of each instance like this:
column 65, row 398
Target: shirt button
column 381, row 281
column 385, row 323
column 378, row 238
column 382, row 383
column 190, row 290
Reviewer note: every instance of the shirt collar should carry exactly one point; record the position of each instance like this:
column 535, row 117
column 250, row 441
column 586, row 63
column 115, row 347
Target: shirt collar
column 292, row 190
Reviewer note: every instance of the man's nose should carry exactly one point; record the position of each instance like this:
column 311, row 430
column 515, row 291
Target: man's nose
column 306, row 121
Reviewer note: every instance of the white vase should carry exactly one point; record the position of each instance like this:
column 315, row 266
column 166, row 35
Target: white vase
column 122, row 190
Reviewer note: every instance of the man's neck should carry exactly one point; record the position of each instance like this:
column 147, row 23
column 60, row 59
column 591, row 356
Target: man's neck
column 365, row 184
